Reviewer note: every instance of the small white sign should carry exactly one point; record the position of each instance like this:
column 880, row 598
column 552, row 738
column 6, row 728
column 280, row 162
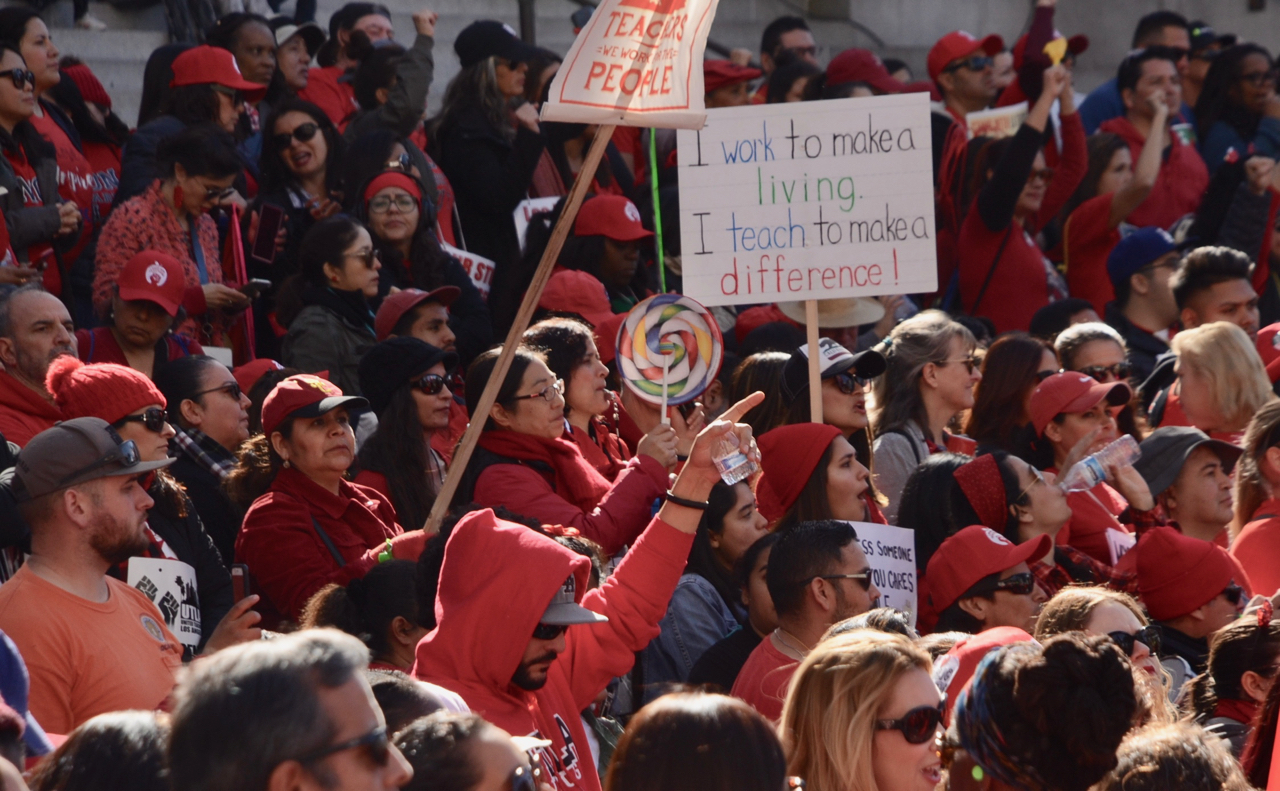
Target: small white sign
column 171, row 587
column 1119, row 543
column 891, row 553
column 479, row 268
column 1000, row 122
column 525, row 211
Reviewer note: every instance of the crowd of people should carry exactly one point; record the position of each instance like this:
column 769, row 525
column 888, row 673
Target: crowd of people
column 240, row 348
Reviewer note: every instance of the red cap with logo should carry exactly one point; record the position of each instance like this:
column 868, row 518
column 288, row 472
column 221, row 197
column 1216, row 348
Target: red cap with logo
column 303, row 395
column 719, row 73
column 155, row 277
column 396, row 305
column 571, row 291
column 971, row 554
column 1073, row 392
column 612, row 216
column 956, row 45
column 955, row 669
column 862, row 65
column 205, row 65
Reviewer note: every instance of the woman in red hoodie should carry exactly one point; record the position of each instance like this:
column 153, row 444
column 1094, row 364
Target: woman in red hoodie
column 1003, row 273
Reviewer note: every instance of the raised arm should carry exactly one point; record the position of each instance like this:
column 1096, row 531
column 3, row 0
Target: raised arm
column 1145, row 170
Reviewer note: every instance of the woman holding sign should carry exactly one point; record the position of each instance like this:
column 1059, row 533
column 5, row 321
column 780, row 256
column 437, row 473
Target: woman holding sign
column 1003, row 273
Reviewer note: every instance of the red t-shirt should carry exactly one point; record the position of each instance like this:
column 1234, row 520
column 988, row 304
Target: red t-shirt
column 763, row 680
column 1257, row 548
column 1087, row 241
column 104, row 158
column 75, row 178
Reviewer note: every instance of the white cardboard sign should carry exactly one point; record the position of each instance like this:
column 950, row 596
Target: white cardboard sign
column 891, row 553
column 479, row 268
column 524, row 214
column 171, row 587
column 636, row 63
column 816, row 200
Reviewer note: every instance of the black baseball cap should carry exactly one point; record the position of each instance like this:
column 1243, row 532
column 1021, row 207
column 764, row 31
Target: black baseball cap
column 1166, row 449
column 833, row 360
column 488, row 38
column 76, row 451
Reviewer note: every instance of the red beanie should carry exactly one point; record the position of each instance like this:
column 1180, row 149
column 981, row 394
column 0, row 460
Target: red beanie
column 90, row 87
column 393, row 178
column 789, row 455
column 1178, row 574
column 102, row 390
column 984, row 489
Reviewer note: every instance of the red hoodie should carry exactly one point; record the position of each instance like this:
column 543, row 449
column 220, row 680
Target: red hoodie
column 496, row 581
column 1181, row 183
column 23, row 413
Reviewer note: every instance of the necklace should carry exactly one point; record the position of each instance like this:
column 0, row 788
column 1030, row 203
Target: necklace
column 802, row 651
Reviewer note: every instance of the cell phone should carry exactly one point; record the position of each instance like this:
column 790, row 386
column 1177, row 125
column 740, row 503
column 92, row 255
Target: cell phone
column 239, row 581
column 255, row 287
column 270, row 218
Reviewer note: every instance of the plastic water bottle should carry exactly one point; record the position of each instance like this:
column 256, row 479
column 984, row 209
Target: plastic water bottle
column 732, row 464
column 1092, row 470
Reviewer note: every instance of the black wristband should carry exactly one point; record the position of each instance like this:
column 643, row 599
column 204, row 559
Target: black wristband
column 694, row 504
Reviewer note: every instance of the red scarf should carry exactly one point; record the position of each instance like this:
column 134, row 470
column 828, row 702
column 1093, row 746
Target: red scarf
column 576, row 480
column 1238, row 710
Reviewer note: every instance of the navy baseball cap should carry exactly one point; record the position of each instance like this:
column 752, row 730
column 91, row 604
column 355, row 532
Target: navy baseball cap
column 1137, row 250
column 15, row 685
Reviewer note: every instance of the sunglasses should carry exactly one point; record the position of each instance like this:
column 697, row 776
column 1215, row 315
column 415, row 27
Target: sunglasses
column 1148, row 636
column 125, row 454
column 403, row 203
column 970, row 363
column 547, row 393
column 1099, row 373
column 1234, row 594
column 429, row 384
column 375, row 743
column 849, row 383
column 1259, row 78
column 548, row 631
column 525, row 778
column 918, row 725
column 369, row 257
column 1043, row 375
column 231, row 388
column 1021, row 584
column 863, row 578
column 302, row 134
column 976, row 63
column 225, row 91
column 1044, row 174
column 151, row 417
column 20, row 77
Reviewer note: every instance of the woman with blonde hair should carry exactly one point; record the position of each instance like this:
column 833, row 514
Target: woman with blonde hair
column 1256, row 527
column 1221, row 380
column 929, row 379
column 862, row 714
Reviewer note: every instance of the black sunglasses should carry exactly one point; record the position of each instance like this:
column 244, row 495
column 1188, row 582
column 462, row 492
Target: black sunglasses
column 1018, row 584
column 125, row 454
column 302, row 133
column 976, row 63
column 231, row 388
column 863, row 578
column 152, row 418
column 20, row 77
column 848, row 382
column 1043, row 375
column 1234, row 594
column 375, row 743
column 548, row 631
column 918, row 725
column 430, row 384
column 1120, row 371
column 1148, row 636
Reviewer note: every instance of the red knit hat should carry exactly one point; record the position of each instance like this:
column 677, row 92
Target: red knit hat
column 102, row 390
column 1178, row 574
column 90, row 87
column 789, row 455
column 984, row 489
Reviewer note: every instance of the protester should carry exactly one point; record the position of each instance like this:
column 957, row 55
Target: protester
column 727, row 84
column 1235, row 107
column 523, row 461
column 461, row 751
column 110, row 752
column 307, row 525
column 1189, row 474
column 406, row 382
column 380, row 608
column 925, row 498
column 786, row 34
column 788, row 82
column 606, row 244
column 295, row 710
column 1143, row 311
column 720, row 664
column 1098, row 351
column 296, row 45
column 1000, row 418
column 1051, row 320
column 978, row 580
column 811, row 472
column 35, row 329
column 207, row 410
column 1221, row 381
column 1178, row 755
column 961, row 67
column 845, row 379
column 817, row 576
column 250, row 40
column 1213, row 284
column 694, row 741
column 329, row 85
column 1241, row 669
column 1257, row 483
column 1103, row 612
column 863, row 712
column 1156, row 29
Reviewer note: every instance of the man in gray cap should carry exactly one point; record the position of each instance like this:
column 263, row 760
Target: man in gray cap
column 1189, row 474
column 92, row 643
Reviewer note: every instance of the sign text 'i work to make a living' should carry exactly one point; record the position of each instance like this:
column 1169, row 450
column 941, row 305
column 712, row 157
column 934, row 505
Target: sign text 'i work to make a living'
column 813, row 200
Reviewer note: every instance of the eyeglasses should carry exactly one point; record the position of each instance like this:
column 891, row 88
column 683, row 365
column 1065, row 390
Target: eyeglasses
column 151, row 417
column 525, row 778
column 918, row 725
column 225, row 91
column 230, row 388
column 1234, row 594
column 429, row 384
column 1044, row 174
column 548, row 631
column 403, row 203
column 367, row 256
column 976, row 63
column 1148, row 636
column 1099, row 373
column 217, row 193
column 125, row 454
column 1018, row 584
column 863, row 578
column 301, row 133
column 1043, row 375
column 970, row 362
column 848, row 382
column 1037, row 478
column 801, row 52
column 401, row 162
column 375, row 742
column 20, row 77
column 1259, row 78
column 547, row 393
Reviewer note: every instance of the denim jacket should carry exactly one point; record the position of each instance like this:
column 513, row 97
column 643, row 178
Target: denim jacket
column 696, row 619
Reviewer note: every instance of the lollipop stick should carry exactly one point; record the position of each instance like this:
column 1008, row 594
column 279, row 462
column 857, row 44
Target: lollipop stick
column 667, row 349
column 815, row 375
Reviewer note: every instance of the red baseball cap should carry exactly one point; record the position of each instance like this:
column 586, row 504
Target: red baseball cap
column 396, row 305
column 719, row 73
column 303, row 395
column 155, row 277
column 247, row 375
column 1178, row 574
column 1073, row 392
column 204, row 65
column 971, row 554
column 612, row 216
column 571, row 291
column 955, row 669
column 958, row 44
column 1268, row 344
column 862, row 65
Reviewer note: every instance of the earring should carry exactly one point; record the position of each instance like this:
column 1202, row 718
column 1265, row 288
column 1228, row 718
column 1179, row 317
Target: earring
column 286, row 464
column 178, row 195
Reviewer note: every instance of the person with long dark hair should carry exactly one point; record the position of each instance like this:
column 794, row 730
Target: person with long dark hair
column 1238, row 107
column 567, row 146
column 102, row 133
column 720, row 664
column 380, row 608
column 1241, row 671
column 605, row 243
column 1011, row 369
column 354, row 25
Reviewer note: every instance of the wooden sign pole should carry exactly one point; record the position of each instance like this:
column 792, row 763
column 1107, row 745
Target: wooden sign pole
column 815, row 372
column 463, row 455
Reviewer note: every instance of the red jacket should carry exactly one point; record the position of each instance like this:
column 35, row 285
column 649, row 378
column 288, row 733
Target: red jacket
column 1182, row 181
column 486, row 618
column 326, row 90
column 287, row 556
column 99, row 345
column 1257, row 548
column 23, row 412
column 1088, row 239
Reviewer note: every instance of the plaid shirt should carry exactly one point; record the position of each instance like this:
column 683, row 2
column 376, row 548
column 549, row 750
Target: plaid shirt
column 204, row 451
column 1074, row 567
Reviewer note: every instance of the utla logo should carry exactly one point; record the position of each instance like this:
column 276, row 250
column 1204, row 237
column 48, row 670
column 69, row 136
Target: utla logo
column 657, row 6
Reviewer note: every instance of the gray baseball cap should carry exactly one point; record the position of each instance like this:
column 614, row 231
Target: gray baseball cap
column 75, row 451
column 1166, row 450
column 564, row 609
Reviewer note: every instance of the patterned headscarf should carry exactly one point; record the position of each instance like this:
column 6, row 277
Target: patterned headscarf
column 979, row 730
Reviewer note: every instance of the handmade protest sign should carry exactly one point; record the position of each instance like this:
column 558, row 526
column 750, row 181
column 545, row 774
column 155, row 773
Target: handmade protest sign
column 891, row 553
column 636, row 63
column 815, row 200
column 171, row 587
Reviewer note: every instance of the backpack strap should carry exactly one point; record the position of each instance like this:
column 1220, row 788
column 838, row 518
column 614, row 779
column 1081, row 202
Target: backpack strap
column 995, row 262
column 911, row 443
column 328, row 542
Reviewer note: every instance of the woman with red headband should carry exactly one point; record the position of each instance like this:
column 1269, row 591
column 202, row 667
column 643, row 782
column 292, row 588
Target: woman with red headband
column 812, row 472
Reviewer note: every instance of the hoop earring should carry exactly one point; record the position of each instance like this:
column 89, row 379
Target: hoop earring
column 178, row 195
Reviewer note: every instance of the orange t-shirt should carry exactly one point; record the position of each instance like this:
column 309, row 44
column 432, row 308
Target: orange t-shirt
column 86, row 658
column 763, row 680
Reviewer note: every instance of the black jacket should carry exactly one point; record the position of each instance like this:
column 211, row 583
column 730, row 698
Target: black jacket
column 1143, row 347
column 221, row 519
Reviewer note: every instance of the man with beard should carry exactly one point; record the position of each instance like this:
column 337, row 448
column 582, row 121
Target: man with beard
column 92, row 643
column 35, row 327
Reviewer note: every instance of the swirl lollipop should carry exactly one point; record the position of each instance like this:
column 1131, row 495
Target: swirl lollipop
column 669, row 350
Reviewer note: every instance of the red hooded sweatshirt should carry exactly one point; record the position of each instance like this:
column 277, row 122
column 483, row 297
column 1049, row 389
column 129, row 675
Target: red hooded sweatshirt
column 1181, row 183
column 496, row 581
